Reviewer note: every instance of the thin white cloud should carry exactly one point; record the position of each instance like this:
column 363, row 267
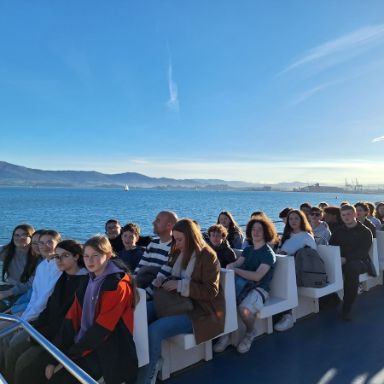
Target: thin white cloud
column 307, row 94
column 380, row 138
column 342, row 47
column 173, row 101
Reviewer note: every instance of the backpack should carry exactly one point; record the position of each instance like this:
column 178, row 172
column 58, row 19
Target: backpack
column 310, row 270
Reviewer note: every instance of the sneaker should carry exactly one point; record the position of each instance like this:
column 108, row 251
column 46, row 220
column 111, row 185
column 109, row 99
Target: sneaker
column 245, row 344
column 285, row 323
column 222, row 344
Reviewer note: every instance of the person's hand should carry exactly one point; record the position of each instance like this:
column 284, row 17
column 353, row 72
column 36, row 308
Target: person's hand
column 230, row 266
column 158, row 281
column 343, row 260
column 49, row 371
column 170, row 285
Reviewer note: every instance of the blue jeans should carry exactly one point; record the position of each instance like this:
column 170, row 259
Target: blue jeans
column 158, row 330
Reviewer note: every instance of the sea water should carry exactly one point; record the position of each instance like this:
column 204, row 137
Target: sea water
column 81, row 213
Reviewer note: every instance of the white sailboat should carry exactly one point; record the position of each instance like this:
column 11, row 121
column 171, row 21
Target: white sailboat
column 126, row 188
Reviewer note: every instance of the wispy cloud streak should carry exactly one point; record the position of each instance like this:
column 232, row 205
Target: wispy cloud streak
column 173, row 101
column 307, row 94
column 343, row 47
column 380, row 138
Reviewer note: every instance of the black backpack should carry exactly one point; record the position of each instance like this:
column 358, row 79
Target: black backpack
column 310, row 269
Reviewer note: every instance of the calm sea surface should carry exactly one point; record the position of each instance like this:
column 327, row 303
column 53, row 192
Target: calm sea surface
column 81, row 213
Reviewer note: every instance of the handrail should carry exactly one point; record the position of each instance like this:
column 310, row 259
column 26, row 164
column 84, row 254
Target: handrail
column 67, row 363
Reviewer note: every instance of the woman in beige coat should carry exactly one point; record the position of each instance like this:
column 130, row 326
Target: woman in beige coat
column 193, row 271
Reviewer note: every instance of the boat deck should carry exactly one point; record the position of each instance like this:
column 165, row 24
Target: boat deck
column 319, row 349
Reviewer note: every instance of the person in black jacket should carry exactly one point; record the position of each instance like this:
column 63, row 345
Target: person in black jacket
column 354, row 240
column 217, row 235
column 23, row 358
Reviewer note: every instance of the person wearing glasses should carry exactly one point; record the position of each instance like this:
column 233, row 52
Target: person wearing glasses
column 19, row 264
column 97, row 331
column 320, row 228
column 24, row 359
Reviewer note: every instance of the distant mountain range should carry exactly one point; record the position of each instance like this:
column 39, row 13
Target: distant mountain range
column 15, row 175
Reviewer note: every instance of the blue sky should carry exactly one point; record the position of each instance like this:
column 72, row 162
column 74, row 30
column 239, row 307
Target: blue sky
column 262, row 91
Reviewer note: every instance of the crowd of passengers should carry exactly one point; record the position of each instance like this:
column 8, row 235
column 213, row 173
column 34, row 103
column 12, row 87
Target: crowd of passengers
column 82, row 297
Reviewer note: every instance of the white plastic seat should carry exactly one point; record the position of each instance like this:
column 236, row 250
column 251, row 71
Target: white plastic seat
column 181, row 351
column 140, row 329
column 308, row 296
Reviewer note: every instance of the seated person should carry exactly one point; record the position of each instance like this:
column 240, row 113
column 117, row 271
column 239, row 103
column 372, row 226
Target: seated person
column 97, row 332
column 332, row 218
column 218, row 241
column 156, row 253
column 297, row 234
column 19, row 264
column 253, row 272
column 306, row 209
column 320, row 228
column 113, row 232
column 372, row 217
column 196, row 272
column 23, row 358
column 284, row 213
column 355, row 241
column 131, row 254
column 235, row 235
column 362, row 212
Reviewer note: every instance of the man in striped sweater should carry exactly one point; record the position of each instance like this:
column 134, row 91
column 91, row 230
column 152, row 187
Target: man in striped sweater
column 156, row 253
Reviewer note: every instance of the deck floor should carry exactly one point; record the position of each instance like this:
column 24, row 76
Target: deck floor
column 319, row 349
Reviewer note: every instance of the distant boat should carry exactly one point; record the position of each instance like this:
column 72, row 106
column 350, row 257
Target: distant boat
column 126, row 188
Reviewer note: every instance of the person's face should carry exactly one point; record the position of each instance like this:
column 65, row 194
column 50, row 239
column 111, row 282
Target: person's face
column 257, row 233
column 380, row 209
column 360, row 213
column 179, row 240
column 294, row 221
column 224, row 220
column 348, row 216
column 21, row 239
column 129, row 239
column 216, row 238
column 113, row 230
column 47, row 245
column 95, row 261
column 161, row 224
column 65, row 260
column 35, row 244
column 315, row 217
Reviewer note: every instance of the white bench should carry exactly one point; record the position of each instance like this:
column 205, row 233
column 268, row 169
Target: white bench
column 181, row 351
column 282, row 295
column 309, row 297
column 140, row 329
column 380, row 248
column 367, row 281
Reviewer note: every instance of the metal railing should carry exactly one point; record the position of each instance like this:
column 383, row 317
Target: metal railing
column 67, row 363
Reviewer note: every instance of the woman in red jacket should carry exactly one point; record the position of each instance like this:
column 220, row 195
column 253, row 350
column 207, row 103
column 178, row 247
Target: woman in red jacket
column 98, row 328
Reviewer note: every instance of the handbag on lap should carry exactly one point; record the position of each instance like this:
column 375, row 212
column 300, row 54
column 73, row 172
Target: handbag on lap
column 170, row 303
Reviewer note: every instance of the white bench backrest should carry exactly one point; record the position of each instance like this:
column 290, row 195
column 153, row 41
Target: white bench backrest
column 140, row 329
column 380, row 248
column 373, row 254
column 227, row 282
column 283, row 283
column 332, row 263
